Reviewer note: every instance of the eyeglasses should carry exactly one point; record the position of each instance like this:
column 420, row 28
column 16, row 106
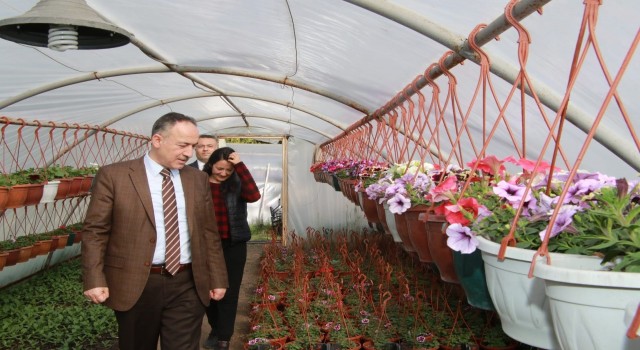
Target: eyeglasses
column 205, row 146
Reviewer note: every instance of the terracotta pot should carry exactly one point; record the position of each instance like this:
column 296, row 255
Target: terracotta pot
column 383, row 217
column 4, row 196
column 62, row 241
column 17, row 196
column 418, row 232
column 35, row 250
column 3, row 259
column 403, row 232
column 368, row 206
column 63, row 188
column 34, row 195
column 442, row 255
column 54, row 243
column 12, row 257
column 25, row 254
column 78, row 237
column 85, row 186
column 348, row 189
column 42, row 247
column 76, row 185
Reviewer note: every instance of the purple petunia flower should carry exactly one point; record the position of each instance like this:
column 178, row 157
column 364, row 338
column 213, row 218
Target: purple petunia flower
column 583, row 188
column 398, row 204
column 483, row 212
column 511, row 192
column 374, row 191
column 394, row 189
column 461, row 239
column 563, row 220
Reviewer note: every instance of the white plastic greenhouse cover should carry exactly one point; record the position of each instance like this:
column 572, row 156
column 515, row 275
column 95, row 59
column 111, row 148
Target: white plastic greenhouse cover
column 306, row 70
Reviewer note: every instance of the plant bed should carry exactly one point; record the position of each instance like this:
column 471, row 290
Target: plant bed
column 48, row 311
column 339, row 286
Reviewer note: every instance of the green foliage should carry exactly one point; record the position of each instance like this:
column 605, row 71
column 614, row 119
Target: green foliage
column 49, row 312
column 611, row 228
column 263, row 231
column 494, row 336
column 244, row 140
column 20, row 177
column 30, row 239
column 53, row 172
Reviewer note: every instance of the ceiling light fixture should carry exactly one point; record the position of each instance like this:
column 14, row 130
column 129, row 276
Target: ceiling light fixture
column 63, row 25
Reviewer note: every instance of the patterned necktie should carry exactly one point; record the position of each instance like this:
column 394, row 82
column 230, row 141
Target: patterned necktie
column 172, row 235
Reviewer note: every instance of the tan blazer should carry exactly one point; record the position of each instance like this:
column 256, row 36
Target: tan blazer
column 119, row 235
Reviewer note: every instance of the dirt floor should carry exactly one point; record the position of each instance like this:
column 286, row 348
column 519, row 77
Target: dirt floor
column 254, row 250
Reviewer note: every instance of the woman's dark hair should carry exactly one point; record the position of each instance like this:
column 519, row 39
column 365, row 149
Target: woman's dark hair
column 233, row 182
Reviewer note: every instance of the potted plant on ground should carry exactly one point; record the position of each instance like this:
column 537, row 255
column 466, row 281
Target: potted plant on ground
column 494, row 338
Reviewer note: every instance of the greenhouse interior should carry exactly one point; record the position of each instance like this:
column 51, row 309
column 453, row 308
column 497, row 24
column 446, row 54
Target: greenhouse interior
column 432, row 174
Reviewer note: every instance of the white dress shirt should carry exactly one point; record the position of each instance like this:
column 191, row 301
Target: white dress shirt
column 155, row 185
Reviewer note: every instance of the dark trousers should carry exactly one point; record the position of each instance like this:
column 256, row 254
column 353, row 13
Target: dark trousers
column 168, row 308
column 222, row 314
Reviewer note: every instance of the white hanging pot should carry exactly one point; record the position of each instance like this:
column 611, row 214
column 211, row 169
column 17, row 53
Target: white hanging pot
column 519, row 300
column 49, row 192
column 591, row 309
column 391, row 223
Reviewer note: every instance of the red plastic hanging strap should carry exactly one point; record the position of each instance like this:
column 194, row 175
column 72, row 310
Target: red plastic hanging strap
column 634, row 328
column 434, row 138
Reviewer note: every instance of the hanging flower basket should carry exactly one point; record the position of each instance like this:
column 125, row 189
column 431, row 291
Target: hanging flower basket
column 17, row 196
column 519, row 300
column 403, row 232
column 391, row 224
column 470, row 271
column 441, row 253
column 585, row 299
column 368, row 207
column 3, row 259
column 417, row 232
column 50, row 191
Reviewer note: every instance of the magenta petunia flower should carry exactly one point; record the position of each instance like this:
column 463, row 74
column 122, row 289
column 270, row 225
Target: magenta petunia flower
column 444, row 190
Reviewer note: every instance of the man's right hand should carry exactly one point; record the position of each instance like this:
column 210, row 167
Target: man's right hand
column 217, row 293
column 97, row 295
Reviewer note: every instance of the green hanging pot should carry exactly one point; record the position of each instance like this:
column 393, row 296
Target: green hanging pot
column 470, row 271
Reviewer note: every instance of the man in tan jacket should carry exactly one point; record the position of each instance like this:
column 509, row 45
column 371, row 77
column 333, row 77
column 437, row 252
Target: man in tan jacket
column 123, row 246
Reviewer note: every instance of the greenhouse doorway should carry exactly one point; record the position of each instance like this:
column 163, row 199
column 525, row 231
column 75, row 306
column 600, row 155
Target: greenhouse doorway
column 264, row 159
